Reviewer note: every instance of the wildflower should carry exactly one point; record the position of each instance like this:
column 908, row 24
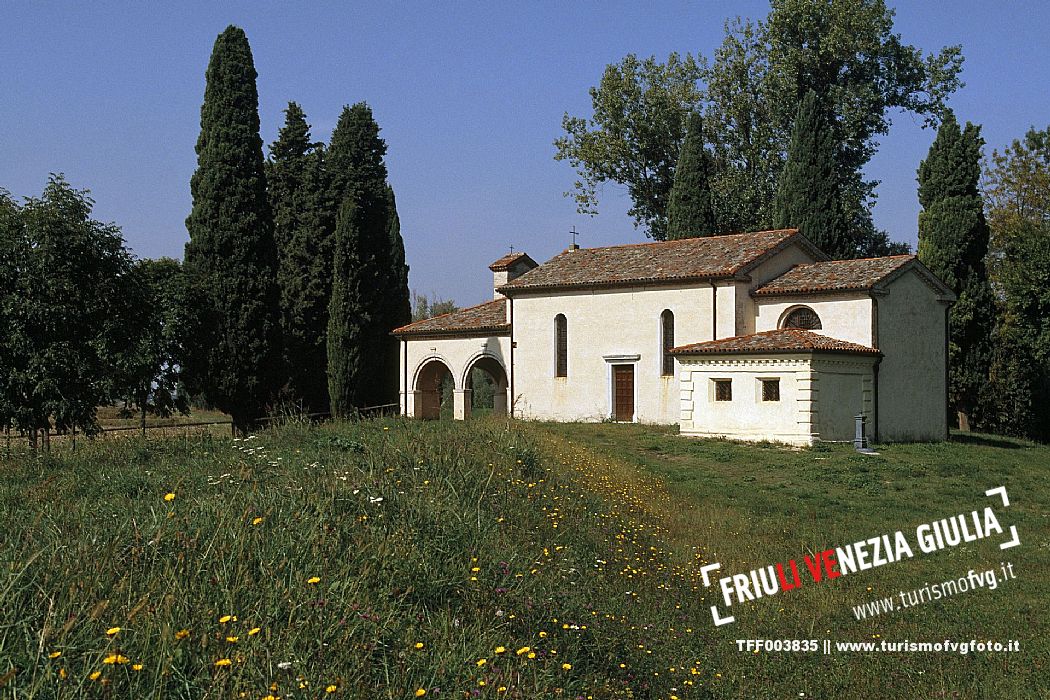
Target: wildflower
column 182, row 634
column 523, row 650
column 224, row 619
column 253, row 631
column 543, row 635
column 54, row 655
column 532, row 655
column 482, row 662
column 419, row 645
column 112, row 631
column 500, row 649
column 331, row 689
column 62, row 673
column 257, row 520
column 420, row 692
column 169, row 497
column 115, row 659
column 223, row 662
column 136, row 667
column 313, row 580
column 501, row 689
column 566, row 667
column 94, row 675
column 232, row 640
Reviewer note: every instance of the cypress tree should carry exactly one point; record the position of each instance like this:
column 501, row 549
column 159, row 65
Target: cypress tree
column 398, row 308
column 231, row 255
column 953, row 243
column 809, row 193
column 690, row 209
column 303, row 228
column 357, row 374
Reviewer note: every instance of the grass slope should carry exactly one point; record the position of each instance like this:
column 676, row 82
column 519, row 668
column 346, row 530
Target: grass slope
column 394, row 559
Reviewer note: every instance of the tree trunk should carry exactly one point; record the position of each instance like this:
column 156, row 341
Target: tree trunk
column 964, row 421
column 142, row 417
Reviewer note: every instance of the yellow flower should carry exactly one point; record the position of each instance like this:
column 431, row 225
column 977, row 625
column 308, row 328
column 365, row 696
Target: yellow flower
column 232, row 640
column 54, row 655
column 501, row 689
column 532, row 655
column 223, row 662
column 136, row 667
column 313, row 580
column 169, row 497
column 112, row 631
column 420, row 692
column 253, row 631
column 62, row 673
column 500, row 650
column 94, row 675
column 482, row 662
column 419, row 645
column 257, row 520
column 182, row 634
column 542, row 635
column 566, row 667
column 115, row 659
column 523, row 650
column 225, row 618
column 331, row 689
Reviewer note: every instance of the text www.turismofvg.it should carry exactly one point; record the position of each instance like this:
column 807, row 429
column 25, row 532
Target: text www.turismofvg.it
column 973, row 580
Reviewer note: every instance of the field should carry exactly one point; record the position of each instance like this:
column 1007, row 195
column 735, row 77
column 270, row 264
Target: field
column 399, row 559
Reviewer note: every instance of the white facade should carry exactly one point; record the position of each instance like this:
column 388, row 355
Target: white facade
column 593, row 349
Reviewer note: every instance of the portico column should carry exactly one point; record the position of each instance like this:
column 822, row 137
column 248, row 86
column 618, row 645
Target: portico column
column 461, row 404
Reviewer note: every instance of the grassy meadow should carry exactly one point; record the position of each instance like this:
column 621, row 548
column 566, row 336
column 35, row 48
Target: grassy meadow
column 495, row 559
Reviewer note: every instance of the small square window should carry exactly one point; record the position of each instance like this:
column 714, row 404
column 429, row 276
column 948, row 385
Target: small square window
column 771, row 390
column 723, row 390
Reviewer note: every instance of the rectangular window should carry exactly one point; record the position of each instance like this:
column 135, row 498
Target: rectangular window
column 561, row 346
column 771, row 390
column 723, row 390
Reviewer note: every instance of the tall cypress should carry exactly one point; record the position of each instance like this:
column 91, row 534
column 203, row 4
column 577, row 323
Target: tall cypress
column 231, row 255
column 303, row 228
column 953, row 243
column 690, row 208
column 398, row 307
column 357, row 375
column 809, row 192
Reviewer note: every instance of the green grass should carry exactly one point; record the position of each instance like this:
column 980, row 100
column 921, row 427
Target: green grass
column 580, row 542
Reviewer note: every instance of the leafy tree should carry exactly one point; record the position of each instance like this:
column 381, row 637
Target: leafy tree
column 299, row 192
column 357, row 325
column 13, row 251
column 634, row 136
column 151, row 362
column 68, row 310
column 844, row 50
column 1017, row 194
column 231, row 256
column 953, row 243
column 809, row 196
column 690, row 210
column 428, row 307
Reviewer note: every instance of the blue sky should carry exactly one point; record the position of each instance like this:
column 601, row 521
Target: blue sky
column 469, row 96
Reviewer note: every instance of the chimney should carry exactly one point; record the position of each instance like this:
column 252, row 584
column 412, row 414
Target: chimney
column 572, row 247
column 507, row 268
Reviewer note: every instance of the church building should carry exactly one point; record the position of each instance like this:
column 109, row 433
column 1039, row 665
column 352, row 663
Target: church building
column 751, row 336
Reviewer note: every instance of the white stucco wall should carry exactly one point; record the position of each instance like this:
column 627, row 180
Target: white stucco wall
column 842, row 316
column 819, row 396
column 911, row 385
column 600, row 324
column 744, row 303
column 458, row 354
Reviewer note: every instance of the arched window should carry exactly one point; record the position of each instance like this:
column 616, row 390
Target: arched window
column 561, row 347
column 803, row 317
column 667, row 342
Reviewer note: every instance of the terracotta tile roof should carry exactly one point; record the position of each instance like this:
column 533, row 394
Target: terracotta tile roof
column 665, row 261
column 507, row 261
column 777, row 341
column 834, row 276
column 489, row 318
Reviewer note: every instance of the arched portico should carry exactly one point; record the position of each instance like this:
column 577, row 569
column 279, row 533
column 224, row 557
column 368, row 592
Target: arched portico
column 476, row 397
column 430, row 375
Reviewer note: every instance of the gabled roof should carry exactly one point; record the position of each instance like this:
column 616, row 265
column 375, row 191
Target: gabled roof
column 509, row 260
column 690, row 259
column 489, row 318
column 784, row 340
column 844, row 275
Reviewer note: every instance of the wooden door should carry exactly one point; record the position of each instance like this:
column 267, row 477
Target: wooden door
column 623, row 392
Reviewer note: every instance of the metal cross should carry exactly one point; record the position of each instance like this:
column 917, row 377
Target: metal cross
column 574, row 233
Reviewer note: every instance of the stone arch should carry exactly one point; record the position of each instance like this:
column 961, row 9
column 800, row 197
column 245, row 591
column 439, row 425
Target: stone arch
column 426, row 387
column 800, row 316
column 493, row 367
